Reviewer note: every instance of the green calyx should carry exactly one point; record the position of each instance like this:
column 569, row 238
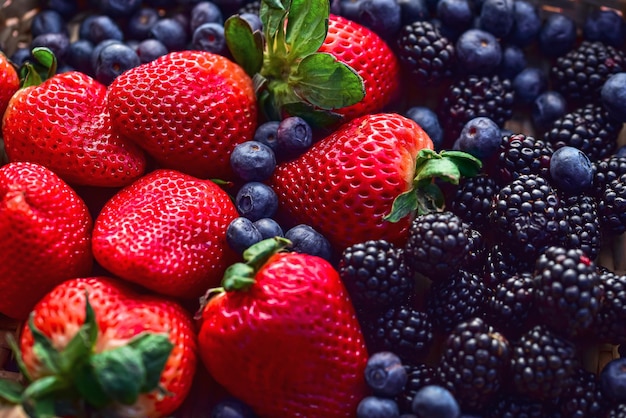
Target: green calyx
column 290, row 76
column 79, row 380
column 425, row 196
column 44, row 68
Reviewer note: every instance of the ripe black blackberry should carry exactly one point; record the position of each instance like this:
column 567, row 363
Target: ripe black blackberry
column 477, row 254
column 583, row 222
column 527, row 215
column 612, row 206
column 543, row 364
column 521, row 154
column 588, row 128
column 501, row 264
column 513, row 406
column 473, row 361
column 510, row 304
column 424, row 53
column 437, row 245
column 418, row 376
column 617, row 411
column 580, row 74
column 455, row 300
column 606, row 170
column 584, row 398
column 472, row 200
column 610, row 324
column 375, row 275
column 472, row 96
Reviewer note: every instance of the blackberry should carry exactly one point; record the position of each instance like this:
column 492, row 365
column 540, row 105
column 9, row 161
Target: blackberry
column 583, row 223
column 589, row 129
column 472, row 365
column 424, row 53
column 502, row 264
column 418, row 376
column 543, row 364
column 472, row 200
column 477, row 254
column 472, row 96
column 606, row 170
column 612, row 206
column 584, row 398
column 521, row 154
column 514, row 406
column 375, row 275
column 528, row 216
column 437, row 245
column 510, row 303
column 617, row 411
column 610, row 324
column 580, row 74
column 455, row 300
column 252, row 7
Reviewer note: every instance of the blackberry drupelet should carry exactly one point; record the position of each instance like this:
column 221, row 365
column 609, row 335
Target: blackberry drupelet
column 580, row 74
column 424, row 53
column 610, row 324
column 455, row 300
column 437, row 245
column 588, row 128
column 514, row 406
column 583, row 222
column 543, row 364
column 510, row 304
column 375, row 275
column 418, row 376
column 528, row 216
column 617, row 411
column 472, row 96
column 584, row 398
column 606, row 170
column 612, row 206
column 521, row 154
column 502, row 263
column 472, row 200
column 473, row 362
column 477, row 254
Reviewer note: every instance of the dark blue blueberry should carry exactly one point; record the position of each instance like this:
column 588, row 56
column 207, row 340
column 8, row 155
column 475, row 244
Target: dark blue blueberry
column 547, row 108
column 84, row 26
column 20, row 56
column 557, row 35
column 47, row 21
column 160, row 4
column 433, row 401
column 350, row 9
column 102, row 28
column 256, row 200
column 267, row 133
column 527, row 24
column 621, row 152
column 64, row 68
column 79, row 55
column 497, row 17
column 529, row 84
column 613, row 96
column 480, row 137
column 141, row 22
column 307, row 240
column 183, row 19
column 113, row 60
column 205, row 12
column 335, row 7
column 119, row 8
column 67, row 8
column 571, row 170
column 209, row 37
column 150, row 49
column 377, row 407
column 171, row 33
column 385, row 374
column 605, row 26
column 241, row 234
column 613, row 380
column 253, row 20
column 269, row 228
column 252, row 161
column 478, row 52
column 427, row 119
column 381, row 16
column 413, row 11
column 96, row 53
column 294, row 136
column 456, row 16
column 232, row 408
column 513, row 61
column 58, row 43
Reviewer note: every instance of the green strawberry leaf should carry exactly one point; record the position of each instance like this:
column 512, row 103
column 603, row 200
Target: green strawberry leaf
column 11, row 391
column 43, row 348
column 47, row 59
column 121, row 373
column 29, row 76
column 17, row 353
column 469, row 166
column 430, row 198
column 327, row 83
column 45, row 387
column 273, row 15
column 245, row 46
column 403, row 205
column 239, row 276
column 81, row 345
column 307, row 26
column 154, row 349
column 44, row 407
column 441, row 168
column 88, row 386
column 315, row 117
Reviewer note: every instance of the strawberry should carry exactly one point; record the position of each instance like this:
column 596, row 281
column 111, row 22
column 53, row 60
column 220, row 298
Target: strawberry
column 187, row 109
column 63, row 124
column 45, row 231
column 166, row 232
column 95, row 343
column 9, row 82
column 282, row 335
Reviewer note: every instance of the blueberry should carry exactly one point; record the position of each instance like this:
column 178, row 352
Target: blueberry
column 205, row 12
column 113, row 60
column 209, row 37
column 527, row 24
column 478, row 52
column 95, row 54
column 385, row 374
column 455, row 15
column 269, row 228
column 119, row 8
column 571, row 170
column 307, row 240
column 350, row 9
column 20, row 56
column 513, row 61
column 141, row 22
column 79, row 55
column 67, row 8
column 58, row 43
column 171, row 32
column 621, row 152
column 381, row 16
column 241, row 234
column 64, row 68
column 606, row 26
column 267, row 133
column 253, row 20
column 529, row 84
column 47, row 21
column 557, row 35
column 413, row 11
column 294, row 135
column 256, row 200
column 252, row 161
column 433, row 401
column 232, row 408
column 613, row 96
column 547, row 108
column 613, row 380
column 428, row 121
column 497, row 17
column 101, row 28
column 150, row 49
column 376, row 407
column 480, row 137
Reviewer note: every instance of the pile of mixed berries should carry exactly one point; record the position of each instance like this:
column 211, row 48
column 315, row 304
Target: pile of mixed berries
column 462, row 192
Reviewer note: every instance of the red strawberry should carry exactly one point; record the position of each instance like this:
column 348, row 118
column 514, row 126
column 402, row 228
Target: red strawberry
column 45, row 231
column 9, row 82
column 187, row 109
column 166, row 232
column 125, row 353
column 283, row 337
column 64, row 125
